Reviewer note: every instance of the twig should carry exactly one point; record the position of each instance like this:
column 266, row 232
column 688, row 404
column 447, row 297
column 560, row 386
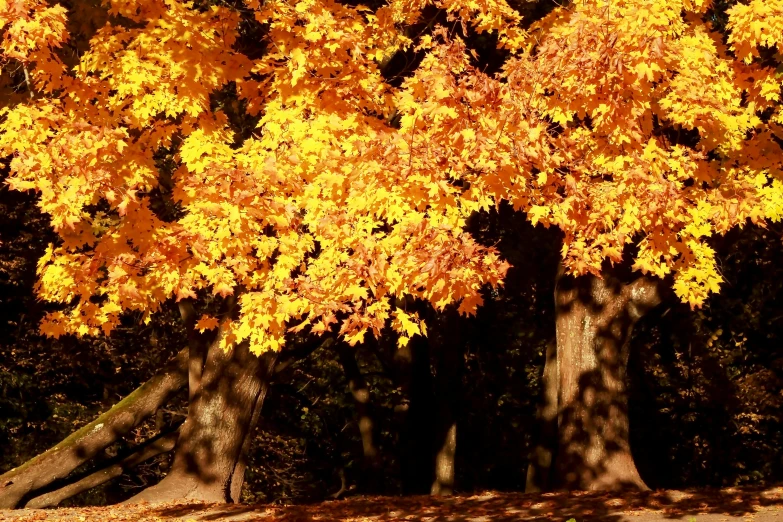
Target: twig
column 27, row 81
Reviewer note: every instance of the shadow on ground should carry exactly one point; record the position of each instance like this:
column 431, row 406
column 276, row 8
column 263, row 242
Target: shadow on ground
column 702, row 505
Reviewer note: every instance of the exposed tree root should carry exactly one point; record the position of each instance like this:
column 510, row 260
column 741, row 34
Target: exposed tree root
column 80, row 446
column 152, row 448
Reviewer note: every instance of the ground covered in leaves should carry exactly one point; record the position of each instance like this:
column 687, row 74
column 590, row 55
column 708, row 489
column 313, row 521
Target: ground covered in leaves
column 746, row 504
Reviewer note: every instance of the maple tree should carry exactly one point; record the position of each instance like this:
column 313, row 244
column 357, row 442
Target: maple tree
column 299, row 223
column 625, row 123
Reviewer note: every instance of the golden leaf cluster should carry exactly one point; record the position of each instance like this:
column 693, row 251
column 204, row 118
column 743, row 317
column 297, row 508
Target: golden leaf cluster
column 618, row 121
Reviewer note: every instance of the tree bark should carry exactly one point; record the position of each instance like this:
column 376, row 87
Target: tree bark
column 367, row 425
column 152, row 448
column 238, row 477
column 595, row 318
column 270, row 371
column 542, row 456
column 23, row 482
column 59, row 461
column 444, row 461
column 209, row 458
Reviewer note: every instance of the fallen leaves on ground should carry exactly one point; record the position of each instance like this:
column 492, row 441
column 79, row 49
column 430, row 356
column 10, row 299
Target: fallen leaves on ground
column 745, row 504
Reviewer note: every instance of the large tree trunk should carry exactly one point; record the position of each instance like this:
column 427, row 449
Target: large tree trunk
column 209, row 458
column 85, row 443
column 41, row 472
column 360, row 390
column 161, row 444
column 238, row 476
column 594, row 322
column 270, row 370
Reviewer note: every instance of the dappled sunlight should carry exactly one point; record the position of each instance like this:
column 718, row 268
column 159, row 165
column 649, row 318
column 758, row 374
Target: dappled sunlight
column 732, row 503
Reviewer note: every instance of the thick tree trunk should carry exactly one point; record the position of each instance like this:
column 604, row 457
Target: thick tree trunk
column 447, row 399
column 270, row 369
column 153, row 448
column 238, row 477
column 542, row 456
column 594, row 322
column 59, row 461
column 209, row 458
column 367, row 426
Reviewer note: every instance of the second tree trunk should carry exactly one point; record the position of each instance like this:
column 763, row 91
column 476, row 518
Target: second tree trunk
column 595, row 318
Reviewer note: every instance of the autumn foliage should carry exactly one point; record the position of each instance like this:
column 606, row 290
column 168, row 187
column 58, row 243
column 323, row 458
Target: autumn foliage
column 264, row 150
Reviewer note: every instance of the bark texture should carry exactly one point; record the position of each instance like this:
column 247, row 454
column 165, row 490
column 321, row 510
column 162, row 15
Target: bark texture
column 595, row 318
column 59, row 461
column 444, row 462
column 31, row 484
column 267, row 369
column 153, row 448
column 209, row 457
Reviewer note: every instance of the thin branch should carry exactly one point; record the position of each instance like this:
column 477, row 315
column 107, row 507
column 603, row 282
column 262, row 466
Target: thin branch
column 27, row 81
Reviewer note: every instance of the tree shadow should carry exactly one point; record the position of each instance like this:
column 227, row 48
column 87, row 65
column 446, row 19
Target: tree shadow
column 503, row 507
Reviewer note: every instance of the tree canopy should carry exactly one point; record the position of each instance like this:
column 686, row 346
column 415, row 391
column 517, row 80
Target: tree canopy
column 286, row 168
column 272, row 151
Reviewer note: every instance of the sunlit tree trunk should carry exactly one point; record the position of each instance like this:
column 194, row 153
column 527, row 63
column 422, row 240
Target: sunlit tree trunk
column 225, row 406
column 198, row 345
column 158, row 445
column 209, row 451
column 595, row 318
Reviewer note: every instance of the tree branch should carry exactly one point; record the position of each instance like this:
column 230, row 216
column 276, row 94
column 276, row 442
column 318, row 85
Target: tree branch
column 82, row 445
column 161, row 444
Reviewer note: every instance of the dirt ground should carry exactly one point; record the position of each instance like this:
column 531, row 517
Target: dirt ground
column 717, row 505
